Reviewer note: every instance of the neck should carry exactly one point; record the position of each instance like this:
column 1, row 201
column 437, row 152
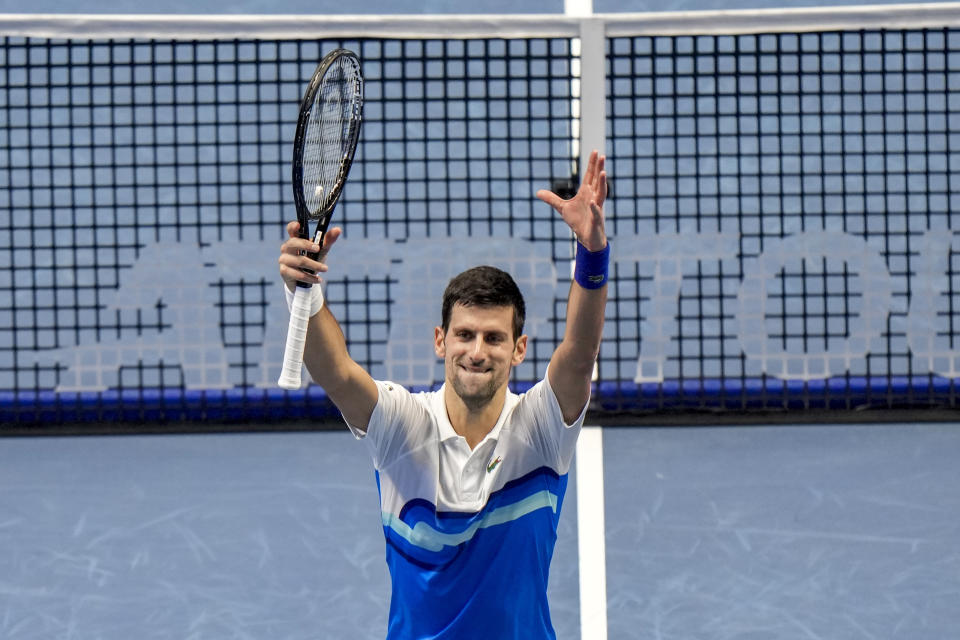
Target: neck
column 473, row 422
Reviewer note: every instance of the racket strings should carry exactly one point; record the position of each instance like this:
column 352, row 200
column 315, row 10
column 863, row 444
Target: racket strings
column 328, row 137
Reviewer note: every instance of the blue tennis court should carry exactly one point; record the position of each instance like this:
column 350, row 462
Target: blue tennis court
column 826, row 531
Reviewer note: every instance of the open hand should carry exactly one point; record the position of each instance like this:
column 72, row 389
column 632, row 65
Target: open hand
column 583, row 213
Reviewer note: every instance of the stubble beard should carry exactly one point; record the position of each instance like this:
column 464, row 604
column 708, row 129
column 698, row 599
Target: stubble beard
column 476, row 399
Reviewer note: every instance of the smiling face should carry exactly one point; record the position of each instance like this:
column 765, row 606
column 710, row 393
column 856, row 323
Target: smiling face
column 479, row 350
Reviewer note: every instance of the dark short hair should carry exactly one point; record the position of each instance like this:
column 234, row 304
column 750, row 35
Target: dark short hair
column 485, row 286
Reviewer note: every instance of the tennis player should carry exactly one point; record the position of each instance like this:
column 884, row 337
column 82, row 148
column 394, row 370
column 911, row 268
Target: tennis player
column 472, row 476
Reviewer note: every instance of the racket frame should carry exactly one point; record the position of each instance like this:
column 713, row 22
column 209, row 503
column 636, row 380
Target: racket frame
column 323, row 215
column 290, row 374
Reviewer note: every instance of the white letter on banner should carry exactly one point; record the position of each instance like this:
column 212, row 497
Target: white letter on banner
column 668, row 257
column 930, row 341
column 874, row 305
column 178, row 276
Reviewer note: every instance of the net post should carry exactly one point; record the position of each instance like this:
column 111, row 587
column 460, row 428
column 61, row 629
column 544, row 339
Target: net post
column 593, row 103
column 593, row 87
column 591, row 528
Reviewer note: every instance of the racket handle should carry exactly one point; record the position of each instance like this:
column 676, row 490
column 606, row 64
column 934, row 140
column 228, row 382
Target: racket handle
column 296, row 338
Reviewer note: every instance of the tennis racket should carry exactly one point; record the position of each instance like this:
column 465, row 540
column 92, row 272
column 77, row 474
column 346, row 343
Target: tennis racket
column 328, row 130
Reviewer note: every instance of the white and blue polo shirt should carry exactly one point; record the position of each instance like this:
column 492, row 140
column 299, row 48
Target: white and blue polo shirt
column 470, row 534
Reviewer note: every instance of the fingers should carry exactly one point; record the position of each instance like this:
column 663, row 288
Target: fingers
column 296, row 246
column 584, row 212
column 296, row 264
column 595, row 178
column 590, row 174
column 600, row 192
column 328, row 240
column 551, row 198
column 292, row 268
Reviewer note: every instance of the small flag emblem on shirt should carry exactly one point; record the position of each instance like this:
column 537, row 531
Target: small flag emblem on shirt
column 493, row 465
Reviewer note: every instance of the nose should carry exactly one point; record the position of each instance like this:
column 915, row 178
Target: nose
column 477, row 352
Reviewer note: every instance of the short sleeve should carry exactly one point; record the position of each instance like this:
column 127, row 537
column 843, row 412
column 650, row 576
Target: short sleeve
column 556, row 439
column 396, row 418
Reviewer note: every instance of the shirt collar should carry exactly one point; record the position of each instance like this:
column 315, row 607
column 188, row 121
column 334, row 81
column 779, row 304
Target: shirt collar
column 446, row 429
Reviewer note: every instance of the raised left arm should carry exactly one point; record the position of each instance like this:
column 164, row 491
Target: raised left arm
column 571, row 366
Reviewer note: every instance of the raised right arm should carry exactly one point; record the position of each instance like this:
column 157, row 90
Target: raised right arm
column 347, row 384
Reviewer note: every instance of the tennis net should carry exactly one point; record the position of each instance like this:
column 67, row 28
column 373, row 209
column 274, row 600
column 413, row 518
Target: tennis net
column 781, row 206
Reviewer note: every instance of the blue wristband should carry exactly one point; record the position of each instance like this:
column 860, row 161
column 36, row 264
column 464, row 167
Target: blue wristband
column 591, row 267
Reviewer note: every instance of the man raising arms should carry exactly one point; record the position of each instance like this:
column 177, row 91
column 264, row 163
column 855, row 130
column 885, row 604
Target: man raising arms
column 472, row 476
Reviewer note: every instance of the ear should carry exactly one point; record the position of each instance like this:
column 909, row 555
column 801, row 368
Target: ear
column 438, row 346
column 520, row 350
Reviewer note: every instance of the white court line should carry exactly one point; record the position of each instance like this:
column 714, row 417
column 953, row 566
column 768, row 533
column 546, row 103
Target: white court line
column 591, row 532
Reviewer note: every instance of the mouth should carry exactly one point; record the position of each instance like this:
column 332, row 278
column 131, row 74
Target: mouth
column 475, row 370
column 469, row 368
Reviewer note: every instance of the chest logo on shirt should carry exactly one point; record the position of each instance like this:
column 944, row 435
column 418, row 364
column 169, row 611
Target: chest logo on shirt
column 493, row 465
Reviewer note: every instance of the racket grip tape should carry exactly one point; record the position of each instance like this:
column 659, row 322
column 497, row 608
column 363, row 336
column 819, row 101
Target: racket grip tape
column 296, row 338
